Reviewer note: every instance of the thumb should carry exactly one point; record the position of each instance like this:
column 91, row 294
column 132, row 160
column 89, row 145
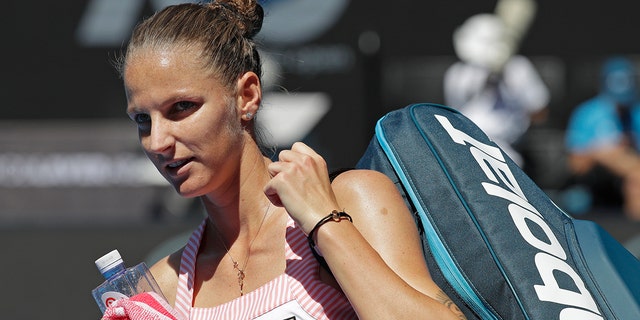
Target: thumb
column 272, row 195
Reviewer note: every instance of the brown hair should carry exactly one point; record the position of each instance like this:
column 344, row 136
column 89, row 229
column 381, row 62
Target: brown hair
column 223, row 31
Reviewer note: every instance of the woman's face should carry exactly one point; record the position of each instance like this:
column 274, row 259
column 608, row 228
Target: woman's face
column 186, row 118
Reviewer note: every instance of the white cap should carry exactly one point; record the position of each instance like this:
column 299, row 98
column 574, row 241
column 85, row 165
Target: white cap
column 109, row 261
column 485, row 41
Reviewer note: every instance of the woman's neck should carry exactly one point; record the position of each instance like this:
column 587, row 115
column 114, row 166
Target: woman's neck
column 238, row 211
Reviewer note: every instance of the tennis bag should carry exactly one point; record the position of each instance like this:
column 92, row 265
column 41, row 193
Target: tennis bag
column 494, row 241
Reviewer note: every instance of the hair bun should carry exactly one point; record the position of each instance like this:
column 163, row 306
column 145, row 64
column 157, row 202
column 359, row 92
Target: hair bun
column 255, row 22
column 248, row 14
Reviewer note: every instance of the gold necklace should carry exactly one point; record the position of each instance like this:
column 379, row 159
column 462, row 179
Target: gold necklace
column 236, row 265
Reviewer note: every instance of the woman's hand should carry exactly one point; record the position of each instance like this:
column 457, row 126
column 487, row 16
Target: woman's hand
column 301, row 185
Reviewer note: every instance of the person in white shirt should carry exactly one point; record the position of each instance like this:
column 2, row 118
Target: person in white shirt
column 498, row 90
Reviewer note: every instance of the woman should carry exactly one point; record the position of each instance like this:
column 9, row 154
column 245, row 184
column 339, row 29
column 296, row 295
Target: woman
column 192, row 79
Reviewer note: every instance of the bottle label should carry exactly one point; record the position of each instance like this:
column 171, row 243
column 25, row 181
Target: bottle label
column 110, row 297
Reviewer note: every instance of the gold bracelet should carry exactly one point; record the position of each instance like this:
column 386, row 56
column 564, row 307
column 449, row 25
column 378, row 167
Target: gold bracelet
column 336, row 216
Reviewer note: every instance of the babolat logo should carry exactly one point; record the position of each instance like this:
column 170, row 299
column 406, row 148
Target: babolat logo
column 551, row 260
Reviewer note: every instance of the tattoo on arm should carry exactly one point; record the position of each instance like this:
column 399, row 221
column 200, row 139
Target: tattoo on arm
column 444, row 299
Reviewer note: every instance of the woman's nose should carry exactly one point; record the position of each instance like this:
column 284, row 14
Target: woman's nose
column 160, row 138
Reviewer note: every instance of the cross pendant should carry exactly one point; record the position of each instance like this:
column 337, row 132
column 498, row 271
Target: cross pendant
column 241, row 280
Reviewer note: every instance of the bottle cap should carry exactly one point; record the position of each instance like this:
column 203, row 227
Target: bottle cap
column 109, row 261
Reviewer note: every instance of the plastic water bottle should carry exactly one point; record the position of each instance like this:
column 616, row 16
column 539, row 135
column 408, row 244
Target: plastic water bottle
column 121, row 282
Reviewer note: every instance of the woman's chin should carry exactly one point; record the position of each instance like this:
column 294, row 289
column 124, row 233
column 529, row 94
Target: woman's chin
column 187, row 191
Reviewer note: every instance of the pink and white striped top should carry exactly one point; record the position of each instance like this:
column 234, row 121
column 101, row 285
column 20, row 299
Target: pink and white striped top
column 297, row 294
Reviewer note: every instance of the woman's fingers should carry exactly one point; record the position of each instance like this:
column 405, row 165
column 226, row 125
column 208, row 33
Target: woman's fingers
column 303, row 148
column 272, row 195
column 304, row 160
column 301, row 184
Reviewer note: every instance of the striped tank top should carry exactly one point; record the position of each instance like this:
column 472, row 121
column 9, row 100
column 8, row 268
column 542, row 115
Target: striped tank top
column 297, row 294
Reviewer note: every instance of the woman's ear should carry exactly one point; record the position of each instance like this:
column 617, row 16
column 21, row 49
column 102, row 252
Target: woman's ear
column 249, row 95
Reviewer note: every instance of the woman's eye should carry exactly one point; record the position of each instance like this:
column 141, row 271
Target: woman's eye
column 141, row 118
column 184, row 105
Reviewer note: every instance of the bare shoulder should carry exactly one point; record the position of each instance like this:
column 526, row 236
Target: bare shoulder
column 165, row 272
column 362, row 186
column 372, row 199
column 361, row 180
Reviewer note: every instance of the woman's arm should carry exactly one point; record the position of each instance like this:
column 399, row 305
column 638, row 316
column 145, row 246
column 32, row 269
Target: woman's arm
column 377, row 259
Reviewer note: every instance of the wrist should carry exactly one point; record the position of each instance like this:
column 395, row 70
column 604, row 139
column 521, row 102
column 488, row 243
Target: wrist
column 334, row 216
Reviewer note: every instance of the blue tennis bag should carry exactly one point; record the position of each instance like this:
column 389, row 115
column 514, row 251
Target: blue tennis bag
column 494, row 241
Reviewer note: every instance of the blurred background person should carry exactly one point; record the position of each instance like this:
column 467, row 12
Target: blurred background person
column 602, row 140
column 491, row 84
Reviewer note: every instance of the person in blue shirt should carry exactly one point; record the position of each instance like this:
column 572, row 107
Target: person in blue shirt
column 602, row 139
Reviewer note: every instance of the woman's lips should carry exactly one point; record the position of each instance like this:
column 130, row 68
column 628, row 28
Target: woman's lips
column 175, row 166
